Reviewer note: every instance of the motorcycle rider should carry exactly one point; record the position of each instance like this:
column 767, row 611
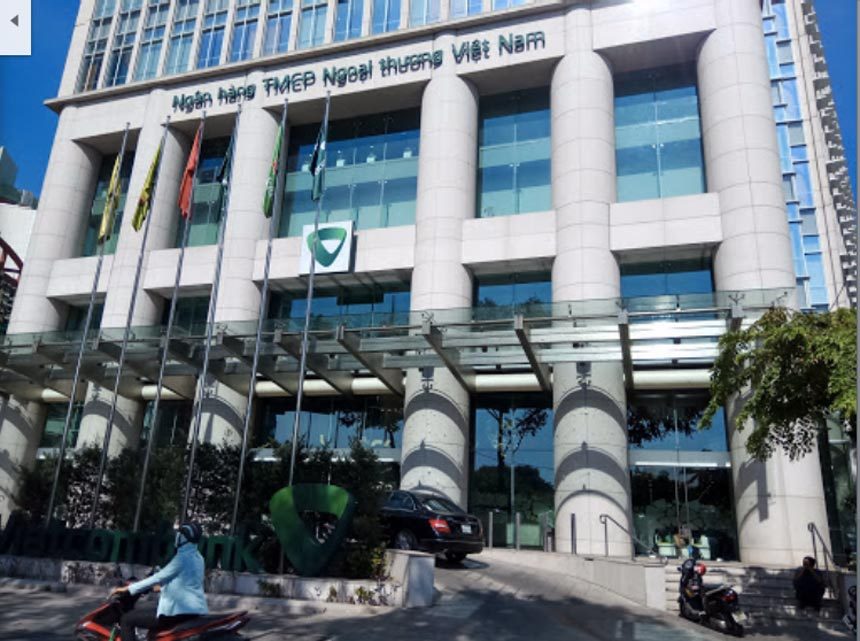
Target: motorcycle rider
column 181, row 588
column 692, row 585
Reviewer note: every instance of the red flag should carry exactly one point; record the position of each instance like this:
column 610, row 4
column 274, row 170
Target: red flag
column 187, row 186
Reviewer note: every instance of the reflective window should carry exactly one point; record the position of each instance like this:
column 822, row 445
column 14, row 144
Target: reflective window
column 817, row 283
column 182, row 36
column 514, row 154
column 507, row 4
column 658, row 140
column 460, row 8
column 423, row 12
column 174, row 419
column 191, row 316
column 376, row 421
column 208, row 195
column 519, row 293
column 386, row 15
column 152, row 39
column 666, row 278
column 665, row 421
column 371, row 176
column 278, row 22
column 347, row 22
column 90, row 246
column 356, row 306
column 97, row 41
column 513, row 468
column 76, row 317
column 244, row 29
column 212, row 36
column 783, row 52
column 123, row 43
column 312, row 25
column 55, row 421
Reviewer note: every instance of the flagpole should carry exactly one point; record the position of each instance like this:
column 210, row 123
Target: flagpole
column 210, row 324
column 274, row 222
column 153, row 429
column 81, row 348
column 304, row 354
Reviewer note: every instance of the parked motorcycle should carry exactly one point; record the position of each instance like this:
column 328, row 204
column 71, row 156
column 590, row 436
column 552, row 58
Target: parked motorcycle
column 714, row 606
column 102, row 624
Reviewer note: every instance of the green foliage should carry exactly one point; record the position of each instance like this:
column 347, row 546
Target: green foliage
column 787, row 373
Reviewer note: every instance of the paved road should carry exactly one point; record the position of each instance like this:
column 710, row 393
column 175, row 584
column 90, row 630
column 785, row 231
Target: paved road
column 475, row 602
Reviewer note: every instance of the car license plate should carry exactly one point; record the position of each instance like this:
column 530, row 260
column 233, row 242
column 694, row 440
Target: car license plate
column 467, row 529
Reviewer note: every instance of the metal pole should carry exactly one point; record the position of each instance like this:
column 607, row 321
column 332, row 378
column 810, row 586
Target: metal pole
column 210, row 324
column 156, row 404
column 274, row 223
column 490, row 520
column 304, row 355
column 517, row 524
column 126, row 335
column 77, row 375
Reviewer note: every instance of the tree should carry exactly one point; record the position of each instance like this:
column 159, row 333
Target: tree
column 790, row 372
column 512, row 428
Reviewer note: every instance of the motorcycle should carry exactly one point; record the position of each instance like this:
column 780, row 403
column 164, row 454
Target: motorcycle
column 719, row 608
column 102, row 623
column 850, row 618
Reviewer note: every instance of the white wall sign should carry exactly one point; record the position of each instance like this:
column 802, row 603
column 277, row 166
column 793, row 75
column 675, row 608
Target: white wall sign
column 333, row 248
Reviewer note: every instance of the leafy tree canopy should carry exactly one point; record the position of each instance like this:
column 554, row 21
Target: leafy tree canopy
column 791, row 372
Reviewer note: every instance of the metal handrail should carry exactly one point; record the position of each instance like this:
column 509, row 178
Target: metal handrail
column 816, row 533
column 604, row 520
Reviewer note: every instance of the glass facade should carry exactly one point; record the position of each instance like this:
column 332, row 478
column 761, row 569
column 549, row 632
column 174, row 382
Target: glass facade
column 97, row 41
column 244, row 29
column 212, row 36
column 512, row 466
column 502, row 296
column 461, row 8
column 514, row 154
column 182, row 36
column 174, row 420
column 354, row 306
column 152, row 39
column 794, row 159
column 278, row 21
column 90, row 244
column 423, row 12
column 371, row 172
column 385, row 16
column 119, row 65
column 312, row 23
column 76, row 317
column 208, row 195
column 681, row 480
column 334, row 423
column 192, row 314
column 658, row 138
column 667, row 278
column 55, row 420
column 347, row 22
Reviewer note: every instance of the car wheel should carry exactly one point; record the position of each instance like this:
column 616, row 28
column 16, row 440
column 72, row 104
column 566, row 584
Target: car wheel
column 455, row 557
column 405, row 540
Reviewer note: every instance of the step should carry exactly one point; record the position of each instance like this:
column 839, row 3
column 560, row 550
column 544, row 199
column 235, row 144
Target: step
column 788, row 611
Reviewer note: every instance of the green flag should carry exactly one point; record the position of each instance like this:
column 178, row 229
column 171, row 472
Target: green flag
column 318, row 161
column 111, row 202
column 145, row 200
column 223, row 175
column 271, row 182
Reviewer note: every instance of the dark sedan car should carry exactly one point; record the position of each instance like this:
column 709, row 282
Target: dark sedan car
column 432, row 523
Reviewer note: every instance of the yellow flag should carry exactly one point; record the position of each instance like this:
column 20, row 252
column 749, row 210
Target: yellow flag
column 143, row 203
column 106, row 227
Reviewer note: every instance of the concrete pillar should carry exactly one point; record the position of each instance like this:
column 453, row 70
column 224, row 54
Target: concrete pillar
column 590, row 445
column 436, row 429
column 148, row 306
column 21, row 425
column 775, row 500
column 238, row 294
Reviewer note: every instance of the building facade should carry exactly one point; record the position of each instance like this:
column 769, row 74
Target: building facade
column 558, row 207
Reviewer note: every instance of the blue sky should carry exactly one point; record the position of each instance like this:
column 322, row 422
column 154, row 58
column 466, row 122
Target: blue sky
column 27, row 127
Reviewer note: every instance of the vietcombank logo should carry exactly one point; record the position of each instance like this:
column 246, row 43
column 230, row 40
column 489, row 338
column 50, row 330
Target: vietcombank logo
column 331, row 245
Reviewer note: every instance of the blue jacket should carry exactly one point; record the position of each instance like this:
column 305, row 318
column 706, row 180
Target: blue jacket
column 181, row 583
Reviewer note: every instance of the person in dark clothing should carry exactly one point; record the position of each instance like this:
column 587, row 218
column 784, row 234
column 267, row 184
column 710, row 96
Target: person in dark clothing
column 809, row 585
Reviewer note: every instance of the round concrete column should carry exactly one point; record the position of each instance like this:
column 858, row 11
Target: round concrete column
column 590, row 443
column 21, row 425
column 436, row 430
column 775, row 500
column 238, row 294
column 148, row 307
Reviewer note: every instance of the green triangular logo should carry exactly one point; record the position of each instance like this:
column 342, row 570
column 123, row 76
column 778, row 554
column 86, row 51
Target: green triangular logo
column 323, row 255
column 308, row 555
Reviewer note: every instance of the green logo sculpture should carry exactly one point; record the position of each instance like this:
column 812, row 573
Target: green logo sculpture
column 324, row 256
column 308, row 555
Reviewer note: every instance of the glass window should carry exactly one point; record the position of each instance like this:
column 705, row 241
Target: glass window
column 783, row 52
column 781, row 15
column 797, row 249
column 55, row 421
column 667, row 278
column 423, row 12
column 658, row 141
column 357, row 306
column 94, row 50
column 788, row 189
column 348, row 19
column 512, row 454
column 519, row 293
column 386, row 15
column 809, row 226
column 191, row 316
column 90, row 246
column 174, row 419
column 208, row 195
column 371, row 175
column 376, row 421
column 212, row 36
column 514, row 154
column 123, row 43
column 665, row 421
column 460, row 8
column 507, row 4
column 795, row 133
column 182, row 36
column 76, row 317
column 244, row 29
column 151, row 39
column 312, row 25
column 817, row 282
column 278, row 22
